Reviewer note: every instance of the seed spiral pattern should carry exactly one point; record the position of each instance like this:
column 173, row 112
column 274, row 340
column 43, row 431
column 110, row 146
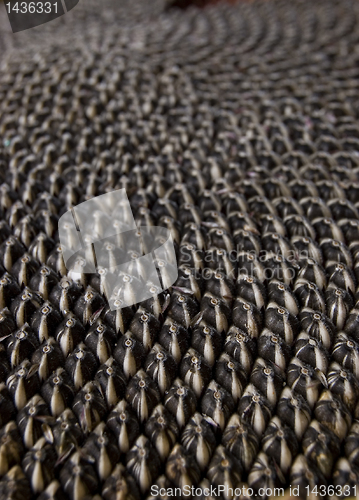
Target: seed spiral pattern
column 237, row 128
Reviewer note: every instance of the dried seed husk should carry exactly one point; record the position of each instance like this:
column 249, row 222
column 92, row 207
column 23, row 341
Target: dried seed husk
column 263, row 473
column 241, row 347
column 120, row 484
column 65, row 294
column 53, row 492
column 217, row 404
column 281, row 322
column 23, row 383
column 143, row 395
column 48, row 356
column 321, row 446
column 38, row 465
column 161, row 366
column 346, row 353
column 195, row 372
column 129, row 353
column 255, row 409
column 24, row 306
column 81, row 365
column 181, row 401
column 145, row 327
column 8, row 289
column 280, row 443
column 87, row 305
column 241, row 440
column 20, row 345
column 343, row 383
column 174, row 338
column 143, row 462
column 294, row 411
column 58, row 391
column 268, row 379
column 11, row 447
column 273, row 348
column 182, row 309
column 247, row 317
column 123, row 422
column 78, row 477
column 181, row 468
column 43, row 281
column 224, row 469
column 101, row 447
column 317, row 325
column 101, row 340
column 338, row 304
column 230, row 375
column 89, row 406
column 304, row 474
column 345, row 475
column 45, row 321
column 119, row 319
column 333, row 414
column 311, row 351
column 15, row 484
column 112, row 382
column 69, row 333
column 162, row 430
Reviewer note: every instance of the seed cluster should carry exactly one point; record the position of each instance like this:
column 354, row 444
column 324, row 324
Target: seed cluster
column 235, row 127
